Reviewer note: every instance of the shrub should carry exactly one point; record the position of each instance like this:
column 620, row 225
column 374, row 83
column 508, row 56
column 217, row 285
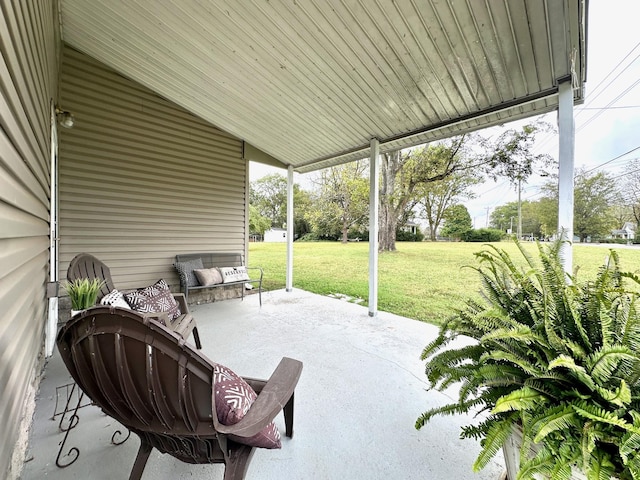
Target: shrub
column 404, row 236
column 483, row 235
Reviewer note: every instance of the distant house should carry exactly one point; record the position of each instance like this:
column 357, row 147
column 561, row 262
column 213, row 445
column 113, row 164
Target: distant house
column 275, row 235
column 410, row 227
column 628, row 231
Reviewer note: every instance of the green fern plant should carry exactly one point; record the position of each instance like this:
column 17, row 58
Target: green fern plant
column 83, row 292
column 558, row 359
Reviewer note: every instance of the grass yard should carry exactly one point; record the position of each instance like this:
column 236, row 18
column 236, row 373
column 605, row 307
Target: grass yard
column 423, row 281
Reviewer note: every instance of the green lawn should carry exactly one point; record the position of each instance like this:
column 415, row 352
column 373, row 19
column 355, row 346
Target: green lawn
column 423, row 281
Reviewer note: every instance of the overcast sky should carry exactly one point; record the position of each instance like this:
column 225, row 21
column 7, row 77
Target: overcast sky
column 607, row 124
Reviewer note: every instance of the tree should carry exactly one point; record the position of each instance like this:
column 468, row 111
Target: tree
column 594, row 196
column 268, row 195
column 511, row 157
column 631, row 189
column 505, row 217
column 403, row 171
column 342, row 202
column 457, row 221
column 258, row 223
column 435, row 197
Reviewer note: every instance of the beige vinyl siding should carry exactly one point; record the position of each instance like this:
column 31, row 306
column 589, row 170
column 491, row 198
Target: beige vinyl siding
column 141, row 179
column 29, row 43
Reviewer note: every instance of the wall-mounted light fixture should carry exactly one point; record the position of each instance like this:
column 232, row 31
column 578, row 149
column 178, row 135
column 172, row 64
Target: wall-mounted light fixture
column 65, row 118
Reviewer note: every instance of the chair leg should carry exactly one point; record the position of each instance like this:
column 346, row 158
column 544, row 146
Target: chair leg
column 238, row 462
column 141, row 460
column 196, row 337
column 288, row 417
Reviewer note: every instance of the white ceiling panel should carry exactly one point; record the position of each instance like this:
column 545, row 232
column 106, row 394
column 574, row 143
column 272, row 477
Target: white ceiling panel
column 310, row 82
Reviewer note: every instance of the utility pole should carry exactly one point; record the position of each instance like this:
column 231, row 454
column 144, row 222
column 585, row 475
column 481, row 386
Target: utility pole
column 519, row 235
column 486, row 224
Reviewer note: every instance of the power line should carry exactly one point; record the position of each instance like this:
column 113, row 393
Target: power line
column 609, row 161
column 610, row 108
column 627, row 90
column 626, row 173
column 611, row 72
column 591, row 99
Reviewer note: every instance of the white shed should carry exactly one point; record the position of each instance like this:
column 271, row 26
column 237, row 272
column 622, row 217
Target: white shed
column 275, row 235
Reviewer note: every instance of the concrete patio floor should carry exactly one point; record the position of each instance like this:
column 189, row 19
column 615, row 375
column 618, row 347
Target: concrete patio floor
column 361, row 390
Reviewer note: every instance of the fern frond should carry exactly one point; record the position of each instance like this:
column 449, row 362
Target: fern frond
column 598, row 414
column 602, row 363
column 621, row 396
column 600, row 467
column 579, row 372
column 629, row 446
column 524, row 398
column 554, row 419
column 497, row 434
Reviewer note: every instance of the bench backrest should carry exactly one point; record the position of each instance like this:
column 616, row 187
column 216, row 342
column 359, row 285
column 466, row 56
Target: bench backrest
column 214, row 259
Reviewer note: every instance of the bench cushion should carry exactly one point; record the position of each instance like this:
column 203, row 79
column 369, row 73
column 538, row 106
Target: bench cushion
column 187, row 268
column 234, row 274
column 207, row 276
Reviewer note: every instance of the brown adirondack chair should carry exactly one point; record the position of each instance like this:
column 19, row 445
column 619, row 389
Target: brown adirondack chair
column 85, row 265
column 147, row 378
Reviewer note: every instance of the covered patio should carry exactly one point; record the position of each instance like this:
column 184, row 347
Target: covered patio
column 172, row 100
column 360, row 392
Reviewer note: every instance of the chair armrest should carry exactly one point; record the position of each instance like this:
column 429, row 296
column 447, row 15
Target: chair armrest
column 162, row 317
column 182, row 302
column 271, row 400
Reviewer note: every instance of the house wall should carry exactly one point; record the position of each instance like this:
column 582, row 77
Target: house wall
column 141, row 179
column 29, row 43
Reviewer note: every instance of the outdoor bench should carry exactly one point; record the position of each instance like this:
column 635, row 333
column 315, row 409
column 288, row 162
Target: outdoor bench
column 198, row 271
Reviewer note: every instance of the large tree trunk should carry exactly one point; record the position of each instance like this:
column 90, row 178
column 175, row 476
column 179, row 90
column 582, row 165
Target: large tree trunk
column 388, row 221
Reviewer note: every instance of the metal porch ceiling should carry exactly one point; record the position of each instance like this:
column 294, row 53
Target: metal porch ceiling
column 310, row 82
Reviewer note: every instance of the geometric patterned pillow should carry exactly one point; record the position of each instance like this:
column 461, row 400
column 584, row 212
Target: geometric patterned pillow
column 233, row 398
column 185, row 270
column 154, row 298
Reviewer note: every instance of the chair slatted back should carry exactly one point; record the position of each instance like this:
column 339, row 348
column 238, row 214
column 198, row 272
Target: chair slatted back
column 85, row 265
column 139, row 372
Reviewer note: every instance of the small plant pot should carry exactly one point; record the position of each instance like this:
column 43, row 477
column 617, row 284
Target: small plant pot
column 76, row 312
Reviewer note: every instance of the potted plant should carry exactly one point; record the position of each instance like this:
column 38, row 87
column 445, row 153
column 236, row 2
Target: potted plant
column 552, row 359
column 83, row 293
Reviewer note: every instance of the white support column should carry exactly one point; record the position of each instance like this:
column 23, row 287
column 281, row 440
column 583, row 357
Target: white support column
column 290, row 230
column 374, row 198
column 566, row 129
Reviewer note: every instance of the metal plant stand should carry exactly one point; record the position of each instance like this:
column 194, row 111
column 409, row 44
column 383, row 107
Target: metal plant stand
column 74, row 400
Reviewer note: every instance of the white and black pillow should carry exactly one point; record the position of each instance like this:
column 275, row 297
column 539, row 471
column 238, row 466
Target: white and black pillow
column 186, row 268
column 154, row 298
column 233, row 274
column 115, row 298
